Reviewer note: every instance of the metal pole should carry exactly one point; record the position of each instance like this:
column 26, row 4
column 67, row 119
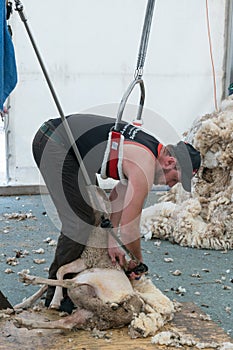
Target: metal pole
column 139, row 68
column 144, row 38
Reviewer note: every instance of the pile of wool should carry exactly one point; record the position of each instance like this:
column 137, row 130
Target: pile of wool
column 178, row 340
column 204, row 218
column 157, row 309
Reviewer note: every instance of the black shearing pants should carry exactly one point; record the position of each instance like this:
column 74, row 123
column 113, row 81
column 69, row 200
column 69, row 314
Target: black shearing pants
column 63, row 178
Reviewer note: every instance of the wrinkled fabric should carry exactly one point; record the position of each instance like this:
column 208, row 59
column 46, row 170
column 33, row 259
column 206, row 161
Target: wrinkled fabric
column 8, row 71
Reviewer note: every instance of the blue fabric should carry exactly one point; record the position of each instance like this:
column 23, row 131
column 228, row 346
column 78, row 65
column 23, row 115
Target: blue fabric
column 8, row 72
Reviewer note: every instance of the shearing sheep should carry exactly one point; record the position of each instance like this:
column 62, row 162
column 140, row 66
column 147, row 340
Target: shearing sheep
column 104, row 296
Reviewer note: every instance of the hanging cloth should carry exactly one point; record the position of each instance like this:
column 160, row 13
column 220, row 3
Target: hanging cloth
column 8, row 72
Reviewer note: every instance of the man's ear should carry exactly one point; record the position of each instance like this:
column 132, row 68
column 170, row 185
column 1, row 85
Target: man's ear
column 169, row 163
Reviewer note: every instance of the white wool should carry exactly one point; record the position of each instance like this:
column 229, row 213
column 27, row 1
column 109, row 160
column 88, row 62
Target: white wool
column 227, row 103
column 153, row 296
column 211, row 159
column 172, row 338
column 226, row 346
column 146, row 324
column 95, row 253
column 148, row 235
column 177, row 339
column 158, row 309
column 164, row 208
column 204, row 218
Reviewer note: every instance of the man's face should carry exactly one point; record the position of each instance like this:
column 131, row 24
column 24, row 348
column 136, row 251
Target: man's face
column 167, row 171
column 168, row 177
column 172, row 177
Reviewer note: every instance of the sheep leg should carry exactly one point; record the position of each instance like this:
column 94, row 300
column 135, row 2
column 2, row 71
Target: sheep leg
column 31, row 300
column 34, row 280
column 75, row 266
column 77, row 320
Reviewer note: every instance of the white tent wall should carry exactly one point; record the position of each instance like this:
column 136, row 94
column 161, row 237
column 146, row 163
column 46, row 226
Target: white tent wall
column 90, row 51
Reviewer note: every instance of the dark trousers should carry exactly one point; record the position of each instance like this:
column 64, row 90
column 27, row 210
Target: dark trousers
column 65, row 183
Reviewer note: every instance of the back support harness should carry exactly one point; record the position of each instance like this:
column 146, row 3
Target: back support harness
column 112, row 161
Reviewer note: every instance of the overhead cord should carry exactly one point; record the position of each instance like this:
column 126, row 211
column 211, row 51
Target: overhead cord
column 211, row 57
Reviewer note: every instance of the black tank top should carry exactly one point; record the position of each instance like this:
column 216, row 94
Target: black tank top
column 138, row 135
column 91, row 134
column 90, row 130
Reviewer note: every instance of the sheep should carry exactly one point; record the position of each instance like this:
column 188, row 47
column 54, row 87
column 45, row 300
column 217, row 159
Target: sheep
column 104, row 296
column 204, row 218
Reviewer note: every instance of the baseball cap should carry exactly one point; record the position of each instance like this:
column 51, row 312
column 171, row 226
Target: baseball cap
column 189, row 161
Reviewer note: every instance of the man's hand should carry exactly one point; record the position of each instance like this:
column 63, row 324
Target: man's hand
column 135, row 270
column 117, row 255
column 132, row 275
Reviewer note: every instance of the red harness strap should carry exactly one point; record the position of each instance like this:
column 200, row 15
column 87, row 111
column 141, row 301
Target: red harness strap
column 114, row 155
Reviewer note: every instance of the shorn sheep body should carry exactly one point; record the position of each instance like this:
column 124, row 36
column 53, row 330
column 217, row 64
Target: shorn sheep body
column 104, row 296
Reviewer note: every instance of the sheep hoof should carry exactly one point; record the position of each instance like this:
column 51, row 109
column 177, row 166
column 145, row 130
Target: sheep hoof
column 54, row 306
column 114, row 306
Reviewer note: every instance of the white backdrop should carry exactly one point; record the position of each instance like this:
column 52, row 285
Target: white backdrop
column 90, row 50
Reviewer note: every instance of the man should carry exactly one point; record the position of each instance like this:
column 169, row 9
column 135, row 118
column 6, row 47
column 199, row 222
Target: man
column 145, row 161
